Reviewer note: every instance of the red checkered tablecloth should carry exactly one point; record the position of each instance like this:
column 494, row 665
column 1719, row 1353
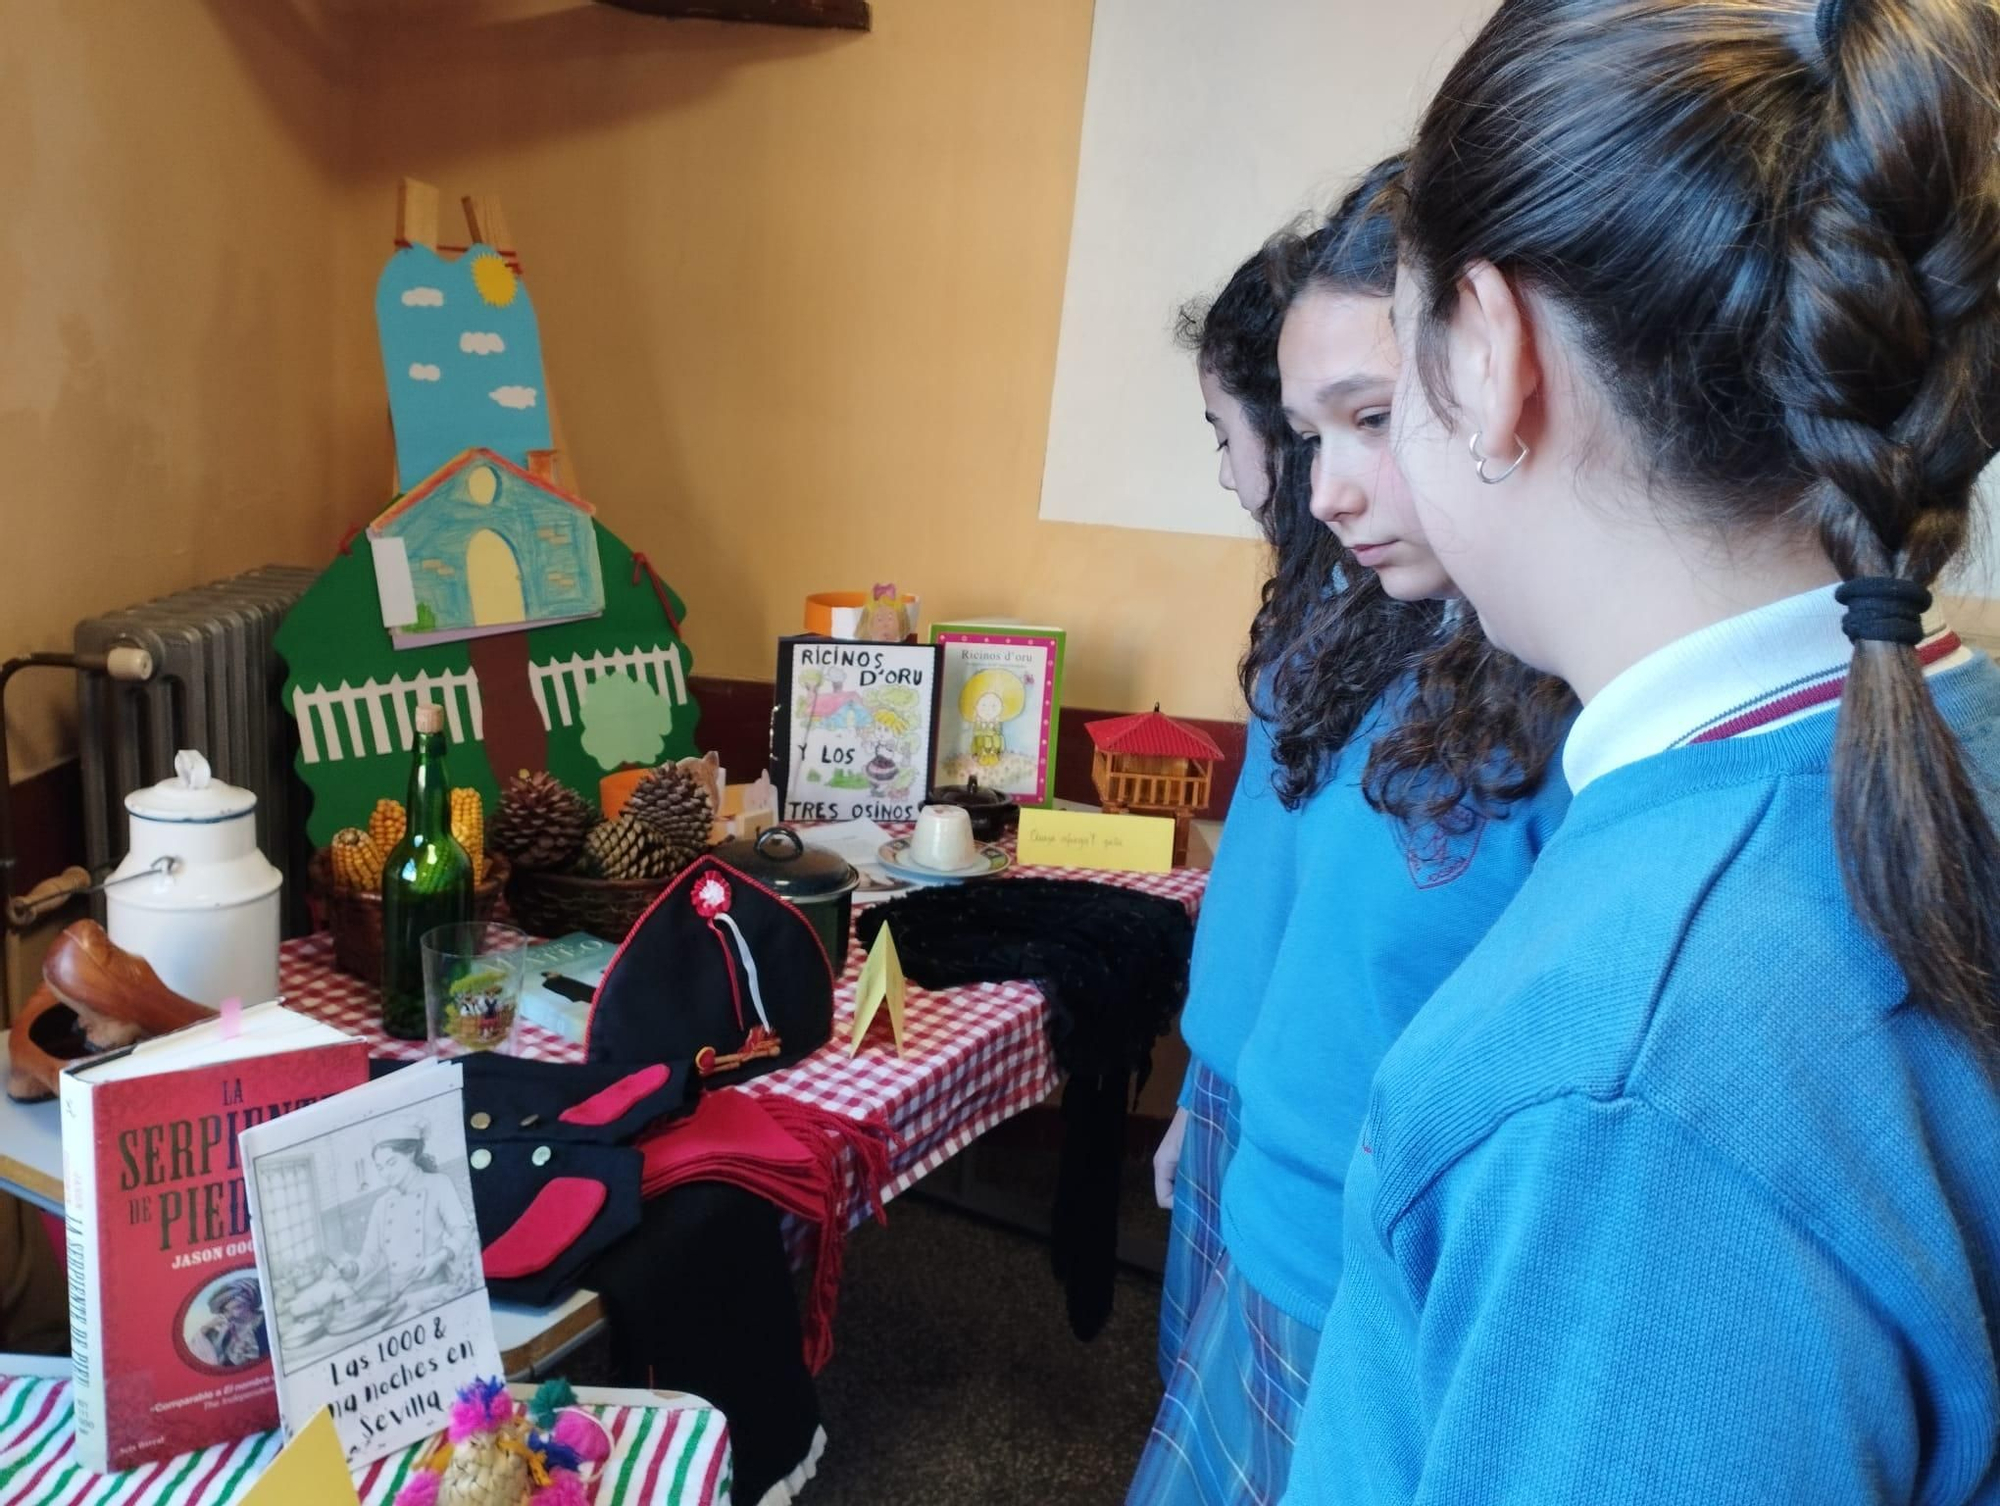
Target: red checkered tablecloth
column 973, row 1056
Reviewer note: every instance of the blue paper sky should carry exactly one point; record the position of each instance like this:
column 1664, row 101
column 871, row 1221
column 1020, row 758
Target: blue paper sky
column 463, row 358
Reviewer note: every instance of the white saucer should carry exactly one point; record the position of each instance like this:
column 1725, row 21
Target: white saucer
column 895, row 857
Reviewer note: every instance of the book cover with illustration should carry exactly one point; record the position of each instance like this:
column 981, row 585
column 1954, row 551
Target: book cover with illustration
column 368, row 1259
column 562, row 979
column 855, row 733
column 170, row 1345
column 1002, row 698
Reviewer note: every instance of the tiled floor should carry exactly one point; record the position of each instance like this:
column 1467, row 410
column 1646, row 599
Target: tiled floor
column 957, row 1379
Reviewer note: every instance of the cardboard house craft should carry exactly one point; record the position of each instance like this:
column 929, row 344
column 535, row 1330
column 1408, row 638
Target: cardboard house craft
column 484, row 546
column 487, row 586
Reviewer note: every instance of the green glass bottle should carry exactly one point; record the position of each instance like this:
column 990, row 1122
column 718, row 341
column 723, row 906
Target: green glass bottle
column 426, row 882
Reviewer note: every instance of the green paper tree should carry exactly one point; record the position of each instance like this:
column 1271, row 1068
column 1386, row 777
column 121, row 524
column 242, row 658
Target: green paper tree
column 351, row 754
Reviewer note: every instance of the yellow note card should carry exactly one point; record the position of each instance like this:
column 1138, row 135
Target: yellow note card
column 880, row 987
column 311, row 1470
column 1091, row 839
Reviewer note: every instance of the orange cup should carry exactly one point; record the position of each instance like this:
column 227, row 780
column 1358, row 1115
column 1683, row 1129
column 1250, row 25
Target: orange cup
column 835, row 614
column 613, row 790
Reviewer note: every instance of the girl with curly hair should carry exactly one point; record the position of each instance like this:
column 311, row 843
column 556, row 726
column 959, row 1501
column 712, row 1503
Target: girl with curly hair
column 1392, row 800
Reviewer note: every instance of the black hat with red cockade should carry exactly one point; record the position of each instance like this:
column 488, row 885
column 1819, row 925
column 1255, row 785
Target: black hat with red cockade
column 720, row 971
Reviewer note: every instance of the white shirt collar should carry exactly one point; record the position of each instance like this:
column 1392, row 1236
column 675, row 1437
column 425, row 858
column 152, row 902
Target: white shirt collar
column 1699, row 682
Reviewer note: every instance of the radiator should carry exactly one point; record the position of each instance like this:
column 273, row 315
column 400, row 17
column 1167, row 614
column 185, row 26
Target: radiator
column 217, row 687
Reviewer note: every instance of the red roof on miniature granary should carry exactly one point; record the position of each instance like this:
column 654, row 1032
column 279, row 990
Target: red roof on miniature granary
column 1148, row 734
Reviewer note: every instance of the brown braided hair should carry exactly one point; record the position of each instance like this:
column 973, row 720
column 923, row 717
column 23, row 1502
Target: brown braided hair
column 1776, row 234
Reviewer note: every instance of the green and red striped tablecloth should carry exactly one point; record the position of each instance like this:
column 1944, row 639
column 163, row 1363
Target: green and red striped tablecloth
column 675, row 1453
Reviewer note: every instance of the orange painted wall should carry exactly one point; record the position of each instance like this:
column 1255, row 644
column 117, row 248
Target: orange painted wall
column 799, row 296
column 168, row 410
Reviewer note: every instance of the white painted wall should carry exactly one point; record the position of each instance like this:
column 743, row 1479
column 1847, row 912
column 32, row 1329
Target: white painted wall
column 1979, row 572
column 1207, row 125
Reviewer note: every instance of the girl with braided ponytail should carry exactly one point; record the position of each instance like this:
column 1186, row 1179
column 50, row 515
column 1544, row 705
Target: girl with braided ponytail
column 1685, row 1187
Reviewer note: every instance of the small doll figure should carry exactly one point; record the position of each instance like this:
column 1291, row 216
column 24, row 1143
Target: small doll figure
column 884, row 620
column 547, row 1453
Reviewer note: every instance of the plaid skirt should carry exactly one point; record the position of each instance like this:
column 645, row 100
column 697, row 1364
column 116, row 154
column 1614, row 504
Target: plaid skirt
column 1194, row 1237
column 1223, row 1435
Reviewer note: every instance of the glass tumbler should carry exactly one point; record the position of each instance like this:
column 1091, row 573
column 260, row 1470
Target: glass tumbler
column 472, row 986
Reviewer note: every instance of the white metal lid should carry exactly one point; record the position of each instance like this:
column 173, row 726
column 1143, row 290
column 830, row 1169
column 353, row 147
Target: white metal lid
column 194, row 794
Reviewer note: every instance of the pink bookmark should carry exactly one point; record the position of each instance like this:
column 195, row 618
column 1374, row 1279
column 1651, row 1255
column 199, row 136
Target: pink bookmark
column 232, row 1018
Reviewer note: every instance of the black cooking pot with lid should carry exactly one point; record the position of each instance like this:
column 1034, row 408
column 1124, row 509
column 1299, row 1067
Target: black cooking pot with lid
column 819, row 882
column 992, row 811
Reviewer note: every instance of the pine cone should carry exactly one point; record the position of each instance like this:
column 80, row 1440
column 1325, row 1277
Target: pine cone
column 468, row 824
column 387, row 823
column 541, row 822
column 626, row 849
column 356, row 860
column 680, row 810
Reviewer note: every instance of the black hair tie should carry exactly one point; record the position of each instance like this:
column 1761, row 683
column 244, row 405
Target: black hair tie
column 1827, row 22
column 1883, row 609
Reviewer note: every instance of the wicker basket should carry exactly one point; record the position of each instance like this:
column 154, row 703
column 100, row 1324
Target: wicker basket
column 356, row 918
column 554, row 904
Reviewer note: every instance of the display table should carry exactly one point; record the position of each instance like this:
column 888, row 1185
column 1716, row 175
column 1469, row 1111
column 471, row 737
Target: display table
column 666, row 1450
column 973, row 1057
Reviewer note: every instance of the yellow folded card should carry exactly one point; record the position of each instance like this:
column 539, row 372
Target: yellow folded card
column 309, row 1471
column 1091, row 839
column 880, row 987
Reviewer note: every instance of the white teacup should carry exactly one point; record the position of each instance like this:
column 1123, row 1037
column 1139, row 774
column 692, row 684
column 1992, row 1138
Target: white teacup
column 943, row 839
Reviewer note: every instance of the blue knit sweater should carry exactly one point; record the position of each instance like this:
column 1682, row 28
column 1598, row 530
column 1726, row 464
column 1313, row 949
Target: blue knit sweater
column 1384, row 912
column 1243, row 911
column 1668, row 1195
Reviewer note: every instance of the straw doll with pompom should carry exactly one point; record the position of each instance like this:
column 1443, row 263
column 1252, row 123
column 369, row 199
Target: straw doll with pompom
column 498, row 1454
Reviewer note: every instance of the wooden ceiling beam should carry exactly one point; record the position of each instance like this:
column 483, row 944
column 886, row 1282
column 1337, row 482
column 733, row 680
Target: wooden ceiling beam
column 848, row 15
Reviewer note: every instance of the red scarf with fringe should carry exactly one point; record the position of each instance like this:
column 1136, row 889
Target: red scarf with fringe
column 791, row 1155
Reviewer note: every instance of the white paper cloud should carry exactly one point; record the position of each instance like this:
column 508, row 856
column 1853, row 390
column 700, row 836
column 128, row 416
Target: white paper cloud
column 475, row 344
column 513, row 397
column 423, row 298
column 422, row 373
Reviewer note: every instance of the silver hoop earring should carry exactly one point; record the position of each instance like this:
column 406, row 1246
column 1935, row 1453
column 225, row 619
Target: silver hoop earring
column 1479, row 460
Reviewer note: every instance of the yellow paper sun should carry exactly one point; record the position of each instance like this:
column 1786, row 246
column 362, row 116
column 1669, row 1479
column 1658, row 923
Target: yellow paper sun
column 494, row 279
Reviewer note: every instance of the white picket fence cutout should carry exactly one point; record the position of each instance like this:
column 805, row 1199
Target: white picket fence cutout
column 365, row 711
column 565, row 680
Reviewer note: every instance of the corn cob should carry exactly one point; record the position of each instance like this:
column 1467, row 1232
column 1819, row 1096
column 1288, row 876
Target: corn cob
column 386, row 824
column 357, row 861
column 468, row 824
